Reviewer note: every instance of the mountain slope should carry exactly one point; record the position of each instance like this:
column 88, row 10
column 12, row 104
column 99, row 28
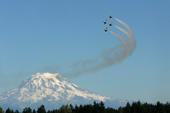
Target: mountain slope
column 52, row 90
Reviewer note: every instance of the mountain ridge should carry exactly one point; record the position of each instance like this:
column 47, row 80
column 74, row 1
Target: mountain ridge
column 52, row 90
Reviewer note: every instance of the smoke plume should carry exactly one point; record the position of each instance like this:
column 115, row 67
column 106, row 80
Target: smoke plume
column 109, row 57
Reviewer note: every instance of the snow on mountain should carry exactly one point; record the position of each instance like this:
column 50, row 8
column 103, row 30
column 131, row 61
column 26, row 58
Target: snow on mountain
column 52, row 90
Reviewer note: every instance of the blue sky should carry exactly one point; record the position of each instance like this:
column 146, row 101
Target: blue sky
column 40, row 36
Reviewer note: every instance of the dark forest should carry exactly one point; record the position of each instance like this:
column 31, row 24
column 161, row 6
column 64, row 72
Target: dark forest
column 135, row 107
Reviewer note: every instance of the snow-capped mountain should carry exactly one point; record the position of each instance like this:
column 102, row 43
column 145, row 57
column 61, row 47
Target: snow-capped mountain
column 52, row 90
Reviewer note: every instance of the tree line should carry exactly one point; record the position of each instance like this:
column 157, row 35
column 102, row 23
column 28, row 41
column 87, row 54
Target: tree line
column 135, row 107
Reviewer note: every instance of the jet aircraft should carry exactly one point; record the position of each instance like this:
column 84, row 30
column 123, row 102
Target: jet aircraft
column 110, row 24
column 110, row 16
column 105, row 21
column 105, row 29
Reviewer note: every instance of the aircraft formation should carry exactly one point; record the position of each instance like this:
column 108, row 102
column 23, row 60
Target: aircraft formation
column 105, row 22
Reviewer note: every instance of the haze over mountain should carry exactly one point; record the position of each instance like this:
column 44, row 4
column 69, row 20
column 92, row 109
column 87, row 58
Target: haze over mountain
column 52, row 90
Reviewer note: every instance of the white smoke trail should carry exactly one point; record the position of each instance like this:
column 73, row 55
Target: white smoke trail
column 109, row 57
column 131, row 37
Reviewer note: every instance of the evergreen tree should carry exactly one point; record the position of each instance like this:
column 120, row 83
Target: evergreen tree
column 145, row 108
column 111, row 110
column 76, row 109
column 127, row 108
column 55, row 111
column 41, row 109
column 1, row 110
column 16, row 111
column 133, row 107
column 8, row 111
column 34, row 111
column 80, row 108
column 167, row 107
column 27, row 110
column 138, row 107
column 159, row 108
column 88, row 108
column 48, row 111
column 65, row 109
column 120, row 109
column 71, row 106
column 102, row 107
column 96, row 107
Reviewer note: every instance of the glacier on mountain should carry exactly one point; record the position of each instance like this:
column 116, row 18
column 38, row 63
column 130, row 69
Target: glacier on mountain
column 52, row 90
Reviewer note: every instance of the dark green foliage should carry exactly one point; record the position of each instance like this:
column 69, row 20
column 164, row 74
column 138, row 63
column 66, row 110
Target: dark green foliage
column 1, row 110
column 16, row 111
column 111, row 110
column 34, row 111
column 127, row 109
column 41, row 109
column 8, row 111
column 27, row 110
column 135, row 107
column 102, row 107
column 65, row 109
column 138, row 107
column 167, row 107
column 120, row 110
column 71, row 106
